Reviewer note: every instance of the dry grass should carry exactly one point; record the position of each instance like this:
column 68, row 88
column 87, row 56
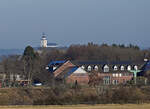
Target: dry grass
column 108, row 106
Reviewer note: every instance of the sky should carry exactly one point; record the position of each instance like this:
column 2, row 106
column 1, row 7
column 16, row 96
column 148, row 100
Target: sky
column 67, row 22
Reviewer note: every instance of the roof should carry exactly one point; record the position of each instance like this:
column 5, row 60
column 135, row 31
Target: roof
column 56, row 62
column 100, row 65
column 52, row 44
column 110, row 64
column 106, row 62
column 146, row 67
column 73, row 69
column 67, row 72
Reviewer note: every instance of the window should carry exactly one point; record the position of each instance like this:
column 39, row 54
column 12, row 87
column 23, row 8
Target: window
column 115, row 68
column 120, row 75
column 129, row 67
column 135, row 67
column 82, row 67
column 106, row 68
column 47, row 68
column 89, row 68
column 106, row 80
column 116, row 74
column 115, row 82
column 96, row 68
column 54, row 68
column 122, row 68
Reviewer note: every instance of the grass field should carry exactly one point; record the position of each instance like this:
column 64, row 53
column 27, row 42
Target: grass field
column 108, row 106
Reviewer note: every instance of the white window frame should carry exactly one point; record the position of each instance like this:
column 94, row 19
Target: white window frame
column 129, row 67
column 122, row 68
column 135, row 67
column 96, row 68
column 106, row 68
column 89, row 68
column 82, row 67
column 115, row 68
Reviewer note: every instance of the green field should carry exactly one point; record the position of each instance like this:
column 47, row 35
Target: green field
column 108, row 106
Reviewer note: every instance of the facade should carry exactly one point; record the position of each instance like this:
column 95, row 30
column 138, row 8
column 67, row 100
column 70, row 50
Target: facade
column 115, row 78
column 79, row 75
column 65, row 70
column 112, row 73
column 106, row 73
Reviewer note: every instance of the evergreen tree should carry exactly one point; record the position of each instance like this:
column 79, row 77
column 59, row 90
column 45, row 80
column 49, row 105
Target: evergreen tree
column 30, row 59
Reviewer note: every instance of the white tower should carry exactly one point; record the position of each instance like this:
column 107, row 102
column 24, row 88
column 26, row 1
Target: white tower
column 43, row 41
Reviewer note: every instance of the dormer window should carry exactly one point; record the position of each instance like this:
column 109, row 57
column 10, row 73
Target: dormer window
column 115, row 68
column 47, row 68
column 82, row 67
column 96, row 68
column 89, row 68
column 54, row 68
column 122, row 68
column 106, row 68
column 129, row 67
column 135, row 67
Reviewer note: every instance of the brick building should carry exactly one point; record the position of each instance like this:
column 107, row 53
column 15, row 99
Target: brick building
column 110, row 73
column 68, row 72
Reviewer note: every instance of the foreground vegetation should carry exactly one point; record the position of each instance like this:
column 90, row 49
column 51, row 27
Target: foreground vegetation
column 74, row 95
column 108, row 106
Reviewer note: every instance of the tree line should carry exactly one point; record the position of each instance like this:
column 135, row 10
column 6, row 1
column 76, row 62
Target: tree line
column 32, row 64
column 102, row 52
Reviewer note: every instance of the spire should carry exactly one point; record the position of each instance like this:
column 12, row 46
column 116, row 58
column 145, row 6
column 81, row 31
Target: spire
column 43, row 36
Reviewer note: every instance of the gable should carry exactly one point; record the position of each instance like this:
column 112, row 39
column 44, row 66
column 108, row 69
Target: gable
column 79, row 71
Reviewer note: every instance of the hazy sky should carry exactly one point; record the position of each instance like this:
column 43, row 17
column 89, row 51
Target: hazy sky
column 74, row 21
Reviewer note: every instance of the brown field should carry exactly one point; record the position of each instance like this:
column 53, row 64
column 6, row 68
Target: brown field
column 108, row 106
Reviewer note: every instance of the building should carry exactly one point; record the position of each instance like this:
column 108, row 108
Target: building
column 68, row 72
column 113, row 73
column 45, row 44
column 108, row 73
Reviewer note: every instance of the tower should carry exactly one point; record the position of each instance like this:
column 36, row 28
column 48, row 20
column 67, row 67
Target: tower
column 43, row 41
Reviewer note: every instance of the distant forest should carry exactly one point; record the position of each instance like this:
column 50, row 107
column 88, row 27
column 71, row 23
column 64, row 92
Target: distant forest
column 102, row 52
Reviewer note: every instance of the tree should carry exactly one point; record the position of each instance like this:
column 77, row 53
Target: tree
column 29, row 53
column 30, row 59
column 12, row 66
